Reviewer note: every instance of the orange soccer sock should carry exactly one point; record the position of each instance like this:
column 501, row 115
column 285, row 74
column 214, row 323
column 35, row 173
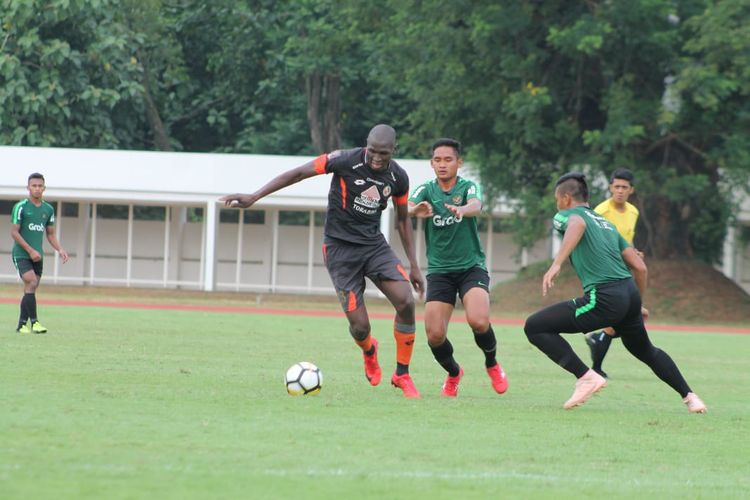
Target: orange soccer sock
column 404, row 343
column 365, row 345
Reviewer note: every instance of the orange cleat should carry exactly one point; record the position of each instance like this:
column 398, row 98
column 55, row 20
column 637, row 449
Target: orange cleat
column 498, row 378
column 372, row 368
column 586, row 386
column 450, row 386
column 406, row 384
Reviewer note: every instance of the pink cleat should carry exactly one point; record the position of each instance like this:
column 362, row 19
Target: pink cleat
column 450, row 386
column 694, row 403
column 406, row 384
column 498, row 378
column 586, row 386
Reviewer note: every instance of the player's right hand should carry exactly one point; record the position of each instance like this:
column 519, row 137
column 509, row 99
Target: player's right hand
column 422, row 210
column 549, row 278
column 35, row 256
column 238, row 200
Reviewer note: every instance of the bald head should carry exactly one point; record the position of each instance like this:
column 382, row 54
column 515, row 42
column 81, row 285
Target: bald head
column 381, row 143
column 382, row 135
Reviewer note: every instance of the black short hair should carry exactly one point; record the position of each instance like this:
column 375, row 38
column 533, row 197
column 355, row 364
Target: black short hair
column 623, row 174
column 452, row 143
column 35, row 175
column 575, row 184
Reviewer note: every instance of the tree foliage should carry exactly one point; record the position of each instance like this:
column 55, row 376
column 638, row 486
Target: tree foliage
column 532, row 88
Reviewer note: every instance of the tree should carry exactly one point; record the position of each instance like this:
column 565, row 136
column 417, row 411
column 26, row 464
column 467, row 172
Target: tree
column 68, row 76
column 538, row 88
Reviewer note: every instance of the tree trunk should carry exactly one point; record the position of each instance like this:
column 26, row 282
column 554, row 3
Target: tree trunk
column 324, row 111
column 158, row 130
column 332, row 115
column 312, row 88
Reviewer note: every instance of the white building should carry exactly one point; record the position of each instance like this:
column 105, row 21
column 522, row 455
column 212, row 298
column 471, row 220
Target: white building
column 99, row 197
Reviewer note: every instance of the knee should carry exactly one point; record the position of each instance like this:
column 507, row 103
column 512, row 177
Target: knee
column 531, row 328
column 435, row 336
column 359, row 330
column 405, row 307
column 478, row 324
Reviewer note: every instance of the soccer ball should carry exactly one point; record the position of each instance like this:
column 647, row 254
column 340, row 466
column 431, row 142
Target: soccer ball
column 303, row 378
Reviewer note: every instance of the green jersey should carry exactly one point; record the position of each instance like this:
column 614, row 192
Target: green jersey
column 597, row 259
column 452, row 242
column 33, row 221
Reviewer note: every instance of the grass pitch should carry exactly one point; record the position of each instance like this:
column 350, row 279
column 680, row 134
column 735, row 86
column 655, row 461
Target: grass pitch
column 119, row 403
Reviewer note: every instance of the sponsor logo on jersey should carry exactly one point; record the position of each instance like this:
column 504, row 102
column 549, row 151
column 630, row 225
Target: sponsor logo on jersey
column 355, row 167
column 375, row 181
column 439, row 221
column 359, row 182
column 368, row 202
column 35, row 227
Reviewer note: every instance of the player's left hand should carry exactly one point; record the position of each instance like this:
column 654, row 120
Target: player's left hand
column 417, row 281
column 549, row 278
column 63, row 255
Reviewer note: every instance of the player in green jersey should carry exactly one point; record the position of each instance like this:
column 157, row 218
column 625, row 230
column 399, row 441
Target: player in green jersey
column 32, row 219
column 449, row 205
column 612, row 297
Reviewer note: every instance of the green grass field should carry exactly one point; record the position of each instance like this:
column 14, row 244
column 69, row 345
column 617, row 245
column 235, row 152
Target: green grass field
column 116, row 403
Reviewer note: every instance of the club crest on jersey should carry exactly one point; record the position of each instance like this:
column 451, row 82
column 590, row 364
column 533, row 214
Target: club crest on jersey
column 458, row 199
column 387, row 191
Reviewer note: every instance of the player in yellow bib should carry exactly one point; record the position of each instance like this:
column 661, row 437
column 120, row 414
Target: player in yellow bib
column 624, row 216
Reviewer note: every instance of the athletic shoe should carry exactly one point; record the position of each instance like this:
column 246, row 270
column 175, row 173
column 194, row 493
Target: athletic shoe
column 586, row 386
column 406, row 384
column 23, row 328
column 694, row 403
column 498, row 378
column 372, row 368
column 599, row 345
column 37, row 327
column 450, row 386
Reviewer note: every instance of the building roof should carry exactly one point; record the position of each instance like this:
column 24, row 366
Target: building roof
column 107, row 176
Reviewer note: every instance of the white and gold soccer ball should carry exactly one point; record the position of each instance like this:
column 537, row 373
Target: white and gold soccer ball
column 303, row 378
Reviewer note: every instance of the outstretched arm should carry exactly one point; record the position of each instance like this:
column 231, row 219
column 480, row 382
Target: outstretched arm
column 573, row 234
column 405, row 232
column 281, row 181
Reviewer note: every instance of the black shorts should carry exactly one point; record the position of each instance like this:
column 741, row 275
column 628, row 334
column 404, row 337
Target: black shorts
column 443, row 287
column 616, row 304
column 348, row 265
column 26, row 265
